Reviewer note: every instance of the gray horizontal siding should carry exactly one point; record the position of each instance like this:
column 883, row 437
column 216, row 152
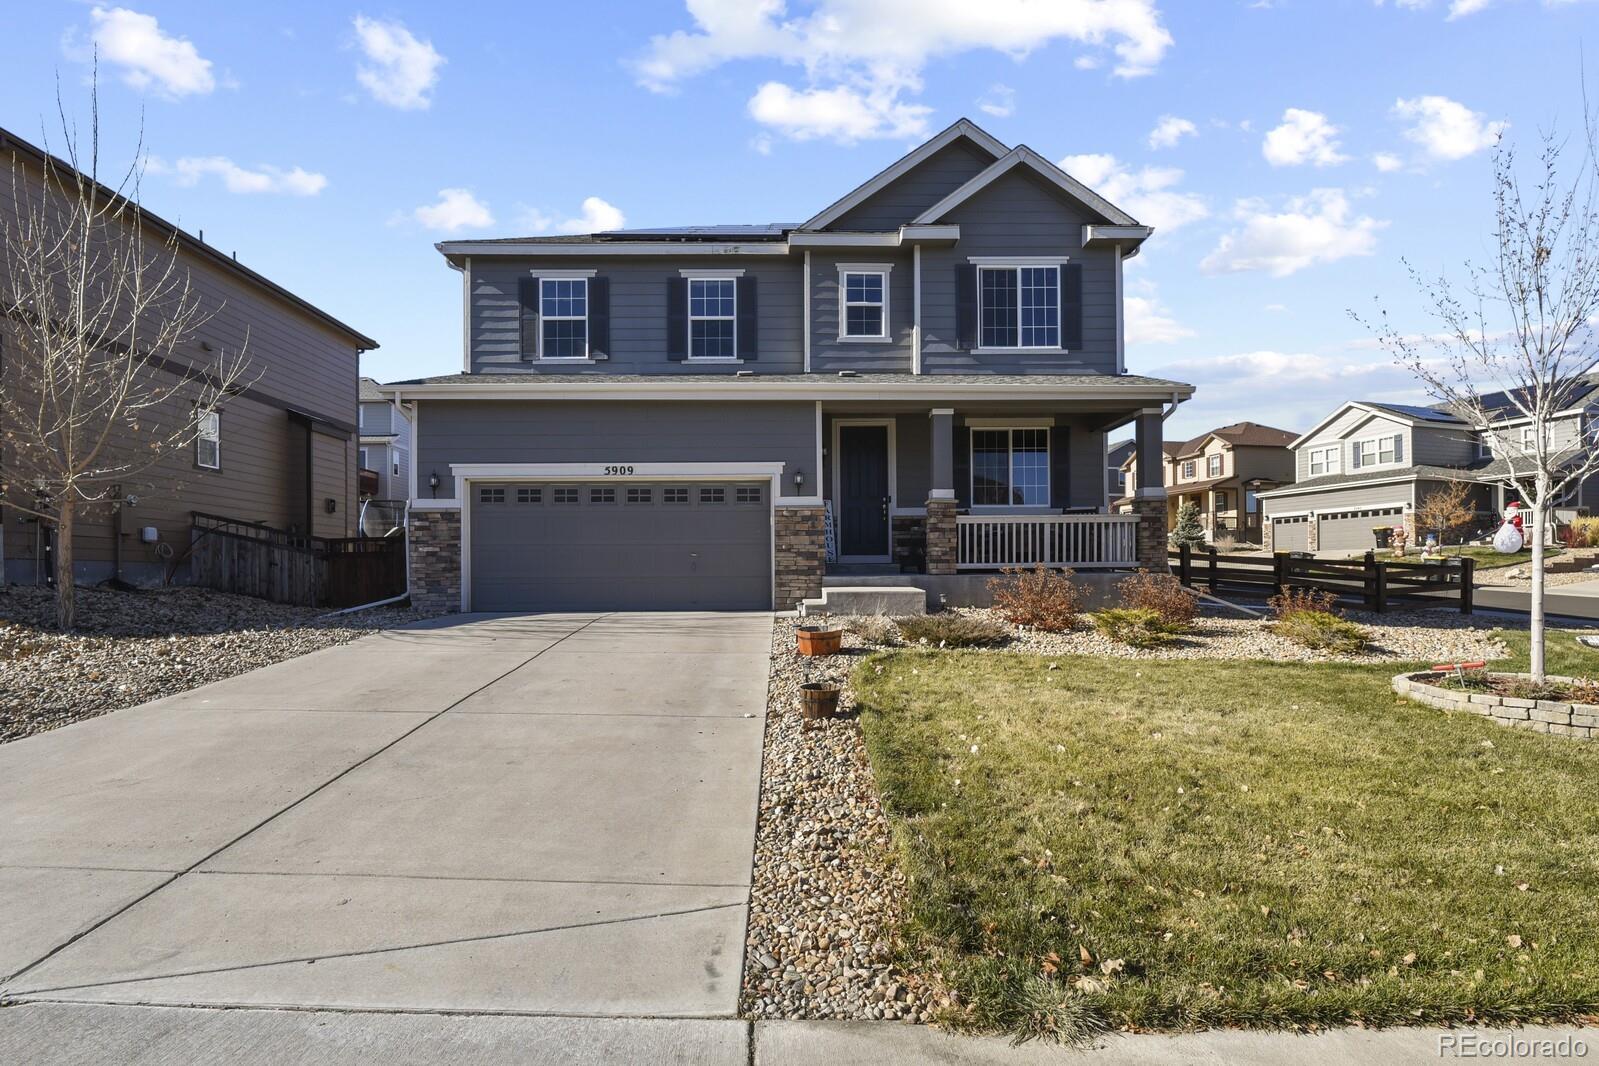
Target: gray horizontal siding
column 1016, row 215
column 829, row 354
column 534, row 431
column 638, row 314
column 912, row 193
column 1436, row 446
column 1354, row 497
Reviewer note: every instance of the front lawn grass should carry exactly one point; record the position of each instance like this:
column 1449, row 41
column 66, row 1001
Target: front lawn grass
column 1190, row 844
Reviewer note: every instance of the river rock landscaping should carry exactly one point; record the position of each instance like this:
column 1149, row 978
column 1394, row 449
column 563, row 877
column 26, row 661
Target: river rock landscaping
column 132, row 647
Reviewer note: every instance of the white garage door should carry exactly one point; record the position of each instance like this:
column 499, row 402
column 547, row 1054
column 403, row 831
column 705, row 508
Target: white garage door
column 1290, row 534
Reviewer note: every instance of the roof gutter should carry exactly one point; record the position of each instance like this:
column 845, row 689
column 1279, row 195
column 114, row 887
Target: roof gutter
column 743, row 389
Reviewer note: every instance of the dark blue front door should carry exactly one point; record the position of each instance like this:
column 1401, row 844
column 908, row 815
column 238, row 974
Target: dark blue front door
column 863, row 490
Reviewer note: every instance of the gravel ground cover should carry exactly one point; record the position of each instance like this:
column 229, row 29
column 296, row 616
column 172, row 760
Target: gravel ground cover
column 132, row 647
column 827, row 894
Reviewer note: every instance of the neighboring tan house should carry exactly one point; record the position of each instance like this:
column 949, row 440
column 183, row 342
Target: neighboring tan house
column 281, row 451
column 1369, row 465
column 1222, row 472
column 385, row 449
column 666, row 418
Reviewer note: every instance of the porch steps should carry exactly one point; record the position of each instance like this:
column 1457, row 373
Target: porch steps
column 867, row 599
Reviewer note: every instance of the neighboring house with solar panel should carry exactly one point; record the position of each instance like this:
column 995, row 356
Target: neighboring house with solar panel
column 914, row 386
column 1371, row 464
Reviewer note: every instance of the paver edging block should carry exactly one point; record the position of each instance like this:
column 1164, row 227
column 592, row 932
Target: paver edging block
column 1543, row 716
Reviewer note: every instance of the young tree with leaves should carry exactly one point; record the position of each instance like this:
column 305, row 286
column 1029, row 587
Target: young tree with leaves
column 100, row 384
column 1521, row 326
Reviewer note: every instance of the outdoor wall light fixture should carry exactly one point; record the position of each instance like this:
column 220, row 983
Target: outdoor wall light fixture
column 433, row 481
column 799, row 479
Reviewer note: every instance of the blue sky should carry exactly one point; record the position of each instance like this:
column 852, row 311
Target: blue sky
column 1289, row 151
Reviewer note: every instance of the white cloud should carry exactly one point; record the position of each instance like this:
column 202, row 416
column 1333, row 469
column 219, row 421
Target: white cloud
column 1462, row 8
column 1086, row 63
column 597, row 216
column 400, row 70
column 456, row 209
column 1000, row 101
column 1318, row 228
column 840, row 113
column 1149, row 322
column 1148, row 194
column 1387, row 162
column 188, row 171
column 1303, row 137
column 1446, row 129
column 1169, row 130
column 874, row 51
column 148, row 57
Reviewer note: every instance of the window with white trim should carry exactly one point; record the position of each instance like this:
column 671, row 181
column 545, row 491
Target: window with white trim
column 1190, row 470
column 1018, row 307
column 712, row 318
column 1378, row 451
column 1010, row 467
column 563, row 318
column 1324, row 461
column 1529, row 439
column 208, row 440
column 1213, row 466
column 865, row 306
column 361, row 458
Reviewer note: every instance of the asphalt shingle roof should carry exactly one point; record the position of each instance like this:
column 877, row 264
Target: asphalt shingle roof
column 589, row 378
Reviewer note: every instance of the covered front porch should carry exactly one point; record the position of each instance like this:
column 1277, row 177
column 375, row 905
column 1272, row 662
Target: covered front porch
column 975, row 487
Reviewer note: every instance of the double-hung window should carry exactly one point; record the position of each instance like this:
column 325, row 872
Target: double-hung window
column 1018, row 307
column 1010, row 467
column 1529, row 439
column 564, row 318
column 865, row 304
column 1323, row 461
column 1213, row 466
column 1379, row 451
column 208, row 440
column 712, row 318
column 1190, row 470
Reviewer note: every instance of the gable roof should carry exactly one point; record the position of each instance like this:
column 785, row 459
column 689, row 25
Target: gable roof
column 1022, row 155
column 1402, row 412
column 1239, row 435
column 904, row 165
column 369, row 392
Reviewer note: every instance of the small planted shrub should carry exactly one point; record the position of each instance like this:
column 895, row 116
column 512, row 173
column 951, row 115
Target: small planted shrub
column 1293, row 600
column 875, row 629
column 1585, row 532
column 1040, row 598
column 1137, row 627
column 1162, row 594
column 1321, row 631
column 951, row 630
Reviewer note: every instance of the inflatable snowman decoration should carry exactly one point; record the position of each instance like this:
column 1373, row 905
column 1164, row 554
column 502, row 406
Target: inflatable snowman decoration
column 1511, row 536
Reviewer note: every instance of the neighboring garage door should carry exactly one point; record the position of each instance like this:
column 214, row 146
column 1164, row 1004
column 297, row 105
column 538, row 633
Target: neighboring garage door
column 1290, row 534
column 621, row 546
column 1351, row 530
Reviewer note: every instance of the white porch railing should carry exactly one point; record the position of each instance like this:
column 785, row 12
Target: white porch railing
column 1077, row 541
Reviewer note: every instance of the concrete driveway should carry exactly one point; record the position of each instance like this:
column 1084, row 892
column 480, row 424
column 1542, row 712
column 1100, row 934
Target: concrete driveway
column 546, row 814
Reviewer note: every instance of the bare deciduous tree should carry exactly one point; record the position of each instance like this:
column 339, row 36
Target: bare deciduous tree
column 1520, row 328
column 101, row 382
column 1445, row 509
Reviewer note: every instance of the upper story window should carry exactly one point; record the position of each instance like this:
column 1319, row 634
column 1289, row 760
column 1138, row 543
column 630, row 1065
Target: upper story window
column 564, row 314
column 865, row 304
column 1378, row 451
column 1019, row 307
column 1529, row 439
column 712, row 318
column 1190, row 469
column 1213, row 466
column 208, row 440
column 1324, row 460
column 1010, row 467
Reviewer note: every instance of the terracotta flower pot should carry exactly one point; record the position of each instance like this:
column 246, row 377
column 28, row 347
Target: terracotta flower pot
column 818, row 699
column 814, row 640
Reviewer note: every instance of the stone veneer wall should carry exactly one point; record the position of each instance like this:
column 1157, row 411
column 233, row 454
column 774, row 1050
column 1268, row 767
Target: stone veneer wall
column 942, row 549
column 1152, row 542
column 910, row 541
column 800, row 555
column 434, row 541
column 1541, row 716
column 1266, row 532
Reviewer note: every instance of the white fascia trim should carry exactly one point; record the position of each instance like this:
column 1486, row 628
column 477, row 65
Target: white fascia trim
column 610, row 471
column 598, row 249
column 562, row 275
column 1311, row 490
column 925, row 387
column 863, row 239
column 1017, row 260
column 904, row 165
column 864, row 268
column 1011, row 423
column 1025, row 156
column 704, row 274
column 1118, row 235
column 946, row 231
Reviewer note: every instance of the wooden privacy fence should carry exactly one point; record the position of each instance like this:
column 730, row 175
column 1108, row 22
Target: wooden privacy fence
column 1377, row 583
column 252, row 559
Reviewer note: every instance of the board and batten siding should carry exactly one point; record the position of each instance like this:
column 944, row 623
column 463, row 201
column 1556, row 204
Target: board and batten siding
column 907, row 196
column 638, row 314
column 1017, row 215
column 829, row 353
column 539, row 431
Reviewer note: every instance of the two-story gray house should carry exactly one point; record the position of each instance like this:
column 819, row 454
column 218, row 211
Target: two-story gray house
column 1370, row 465
column 384, row 455
column 918, row 379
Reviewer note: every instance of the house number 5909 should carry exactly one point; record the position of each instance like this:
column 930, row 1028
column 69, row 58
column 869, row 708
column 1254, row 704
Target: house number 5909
column 618, row 471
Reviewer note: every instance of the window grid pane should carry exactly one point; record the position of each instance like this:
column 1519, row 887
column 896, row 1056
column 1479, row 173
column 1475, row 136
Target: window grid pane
column 863, row 321
column 710, row 495
column 490, row 495
column 639, row 495
column 566, row 494
column 605, row 495
column 999, row 309
column 748, row 494
column 990, row 467
column 565, row 338
column 711, row 338
column 676, row 494
column 1040, row 307
column 1029, row 467
column 525, row 495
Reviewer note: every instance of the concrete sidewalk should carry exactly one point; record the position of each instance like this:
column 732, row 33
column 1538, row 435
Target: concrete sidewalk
column 1578, row 600
column 52, row 1034
column 542, row 814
